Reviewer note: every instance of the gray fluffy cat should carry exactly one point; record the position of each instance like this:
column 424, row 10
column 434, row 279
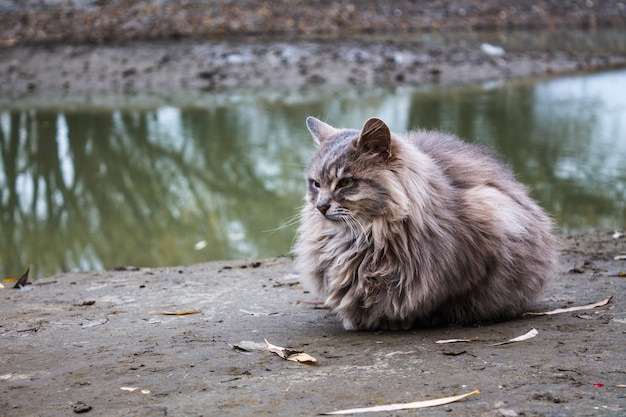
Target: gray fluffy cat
column 418, row 229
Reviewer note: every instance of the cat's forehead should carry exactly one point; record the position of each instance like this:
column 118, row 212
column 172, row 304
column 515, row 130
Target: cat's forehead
column 340, row 141
column 334, row 157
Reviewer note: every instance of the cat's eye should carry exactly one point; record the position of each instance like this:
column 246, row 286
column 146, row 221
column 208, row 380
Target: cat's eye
column 315, row 184
column 345, row 182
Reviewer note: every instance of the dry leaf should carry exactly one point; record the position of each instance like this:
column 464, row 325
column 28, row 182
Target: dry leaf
column 301, row 357
column 247, row 346
column 532, row 333
column 287, row 354
column 614, row 273
column 85, row 303
column 94, row 323
column 256, row 313
column 173, row 313
column 291, row 355
column 133, row 389
column 442, row 342
column 405, row 406
column 23, row 281
column 570, row 309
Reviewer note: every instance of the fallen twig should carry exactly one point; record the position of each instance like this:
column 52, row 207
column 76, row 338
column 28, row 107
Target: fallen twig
column 445, row 341
column 532, row 333
column 570, row 309
column 173, row 313
column 405, row 406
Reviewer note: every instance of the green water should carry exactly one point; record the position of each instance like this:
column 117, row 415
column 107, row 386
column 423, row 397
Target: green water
column 155, row 181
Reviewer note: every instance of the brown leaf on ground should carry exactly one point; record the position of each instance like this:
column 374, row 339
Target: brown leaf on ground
column 291, row 355
column 23, row 281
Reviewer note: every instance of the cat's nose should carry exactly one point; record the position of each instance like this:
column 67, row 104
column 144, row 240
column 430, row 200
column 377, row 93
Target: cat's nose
column 322, row 207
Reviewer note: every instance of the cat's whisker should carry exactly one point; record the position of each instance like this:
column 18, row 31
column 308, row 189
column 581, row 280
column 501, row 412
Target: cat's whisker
column 348, row 221
column 284, row 164
column 359, row 232
column 295, row 219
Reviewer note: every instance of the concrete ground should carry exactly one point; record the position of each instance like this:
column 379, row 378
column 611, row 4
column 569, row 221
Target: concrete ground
column 85, row 343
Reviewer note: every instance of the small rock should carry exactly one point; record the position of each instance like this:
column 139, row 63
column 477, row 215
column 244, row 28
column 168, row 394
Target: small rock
column 492, row 50
column 316, row 79
column 81, row 407
column 129, row 72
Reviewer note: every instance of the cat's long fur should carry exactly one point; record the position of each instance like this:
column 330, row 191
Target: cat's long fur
column 418, row 229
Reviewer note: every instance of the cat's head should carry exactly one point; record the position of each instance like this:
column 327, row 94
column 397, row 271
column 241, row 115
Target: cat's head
column 350, row 178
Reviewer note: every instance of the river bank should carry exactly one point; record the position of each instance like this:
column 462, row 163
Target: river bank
column 37, row 22
column 166, row 67
column 90, row 47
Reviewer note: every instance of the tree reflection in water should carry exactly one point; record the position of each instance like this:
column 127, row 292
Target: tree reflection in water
column 98, row 189
column 93, row 188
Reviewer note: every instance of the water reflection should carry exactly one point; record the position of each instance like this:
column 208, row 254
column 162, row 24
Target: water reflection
column 92, row 190
column 211, row 176
column 565, row 138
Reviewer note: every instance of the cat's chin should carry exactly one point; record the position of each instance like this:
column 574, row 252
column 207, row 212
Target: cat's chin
column 333, row 217
column 342, row 222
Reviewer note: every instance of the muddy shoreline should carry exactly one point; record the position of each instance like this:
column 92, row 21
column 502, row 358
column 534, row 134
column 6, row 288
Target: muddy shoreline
column 36, row 22
column 89, row 47
column 166, row 67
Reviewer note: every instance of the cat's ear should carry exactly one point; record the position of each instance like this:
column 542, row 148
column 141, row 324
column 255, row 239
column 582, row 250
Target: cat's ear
column 375, row 138
column 320, row 130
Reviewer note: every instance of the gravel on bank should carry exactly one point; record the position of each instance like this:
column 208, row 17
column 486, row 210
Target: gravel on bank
column 96, row 21
column 161, row 67
column 129, row 46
